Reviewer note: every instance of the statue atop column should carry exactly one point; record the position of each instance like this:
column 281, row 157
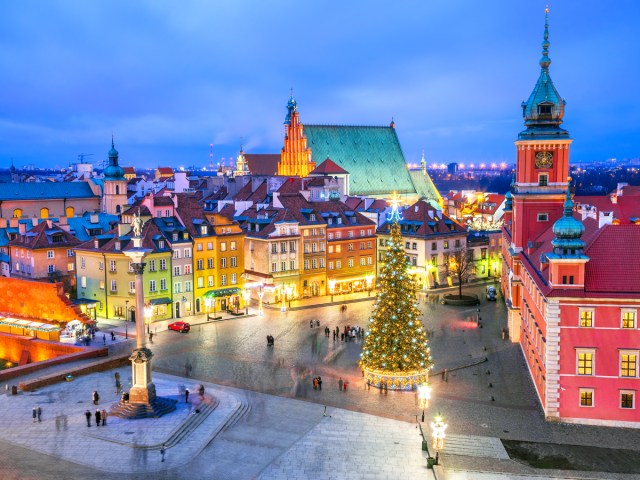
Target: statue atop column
column 136, row 225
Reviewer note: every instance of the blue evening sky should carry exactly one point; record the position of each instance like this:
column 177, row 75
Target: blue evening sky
column 170, row 77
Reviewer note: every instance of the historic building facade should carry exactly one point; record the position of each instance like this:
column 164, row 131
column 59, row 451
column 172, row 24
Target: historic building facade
column 568, row 279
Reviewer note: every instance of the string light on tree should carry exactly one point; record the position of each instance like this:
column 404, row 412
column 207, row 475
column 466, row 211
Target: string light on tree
column 395, row 354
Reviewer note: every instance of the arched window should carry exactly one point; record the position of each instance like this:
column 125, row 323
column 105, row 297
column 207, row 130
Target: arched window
column 44, row 213
column 17, row 213
column 118, row 209
column 69, row 211
column 117, row 189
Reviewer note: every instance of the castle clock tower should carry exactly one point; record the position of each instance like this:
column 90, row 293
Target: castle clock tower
column 542, row 164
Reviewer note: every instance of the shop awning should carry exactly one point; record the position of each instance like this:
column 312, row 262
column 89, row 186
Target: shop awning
column 160, row 301
column 224, row 292
column 84, row 301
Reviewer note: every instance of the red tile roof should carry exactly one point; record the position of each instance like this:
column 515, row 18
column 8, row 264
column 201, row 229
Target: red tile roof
column 328, row 167
column 42, row 236
column 263, row 163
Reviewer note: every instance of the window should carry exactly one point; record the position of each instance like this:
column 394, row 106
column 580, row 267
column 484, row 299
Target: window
column 199, row 247
column 338, row 264
column 234, row 279
column 628, row 319
column 414, row 245
column 51, row 268
column 83, row 263
column 274, row 248
column 200, row 264
column 200, row 282
column 152, row 286
column 363, row 261
column 234, row 261
column 292, row 246
column 362, row 233
column 329, row 236
column 446, row 244
column 210, row 281
column 163, row 284
column 203, row 230
column 369, row 244
column 330, row 265
column 321, row 262
column 17, row 213
column 543, row 180
column 69, row 253
column 283, row 247
column 543, row 217
column 585, row 362
column 350, row 262
column 274, row 267
column 338, row 248
column 176, row 254
column 177, row 287
column 314, row 247
column 83, row 282
column 130, row 267
column 114, row 286
column 369, row 260
column 223, row 280
column 70, row 267
column 209, row 263
column 292, row 264
column 284, row 266
column 628, row 364
column 338, row 235
column 174, row 237
column 350, row 234
column 586, row 397
column 223, row 262
column 176, row 271
column 101, row 284
column 223, row 246
column 458, row 244
column 132, row 287
column 187, row 253
column 306, row 248
column 350, row 247
column 314, row 263
column 233, row 245
column 187, row 269
column 163, row 264
column 209, row 245
column 306, row 264
column 434, row 245
column 112, row 265
column 483, row 253
column 544, row 109
column 627, row 398
column 152, row 265
column 586, row 318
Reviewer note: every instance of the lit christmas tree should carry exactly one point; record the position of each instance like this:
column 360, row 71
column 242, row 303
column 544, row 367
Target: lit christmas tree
column 395, row 354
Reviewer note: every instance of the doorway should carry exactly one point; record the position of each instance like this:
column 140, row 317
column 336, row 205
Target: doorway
column 177, row 310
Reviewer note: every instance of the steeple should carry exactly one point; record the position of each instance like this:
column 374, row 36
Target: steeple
column 295, row 157
column 543, row 112
column 423, row 164
column 113, row 171
column 292, row 106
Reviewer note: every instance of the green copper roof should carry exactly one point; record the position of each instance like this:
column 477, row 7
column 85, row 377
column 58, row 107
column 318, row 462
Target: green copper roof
column 544, row 110
column 425, row 188
column 372, row 156
column 113, row 171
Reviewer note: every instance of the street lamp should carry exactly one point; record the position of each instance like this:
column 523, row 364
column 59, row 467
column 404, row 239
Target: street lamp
column 424, row 395
column 246, row 294
column 260, row 295
column 207, row 303
column 283, row 306
column 289, row 292
column 148, row 313
column 369, row 280
column 332, row 286
column 437, row 434
column 126, row 319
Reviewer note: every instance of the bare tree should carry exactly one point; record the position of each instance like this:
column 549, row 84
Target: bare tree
column 460, row 265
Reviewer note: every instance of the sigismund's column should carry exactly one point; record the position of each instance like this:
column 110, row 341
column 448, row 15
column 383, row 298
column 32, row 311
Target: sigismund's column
column 142, row 390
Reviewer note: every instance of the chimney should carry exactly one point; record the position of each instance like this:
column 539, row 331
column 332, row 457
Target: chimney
column 620, row 188
column 276, row 200
column 606, row 218
column 22, row 228
column 584, row 210
column 614, row 197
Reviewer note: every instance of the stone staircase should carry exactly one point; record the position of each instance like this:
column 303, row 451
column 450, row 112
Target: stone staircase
column 158, row 407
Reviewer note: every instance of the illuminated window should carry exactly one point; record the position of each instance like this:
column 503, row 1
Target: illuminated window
column 586, row 318
column 44, row 213
column 628, row 319
column 586, row 397
column 627, row 399
column 70, row 267
column 210, row 281
column 330, row 265
column 628, row 364
column 223, row 246
column 306, row 264
column 223, row 280
column 233, row 246
column 314, row 263
column 585, row 362
column 350, row 262
column 234, row 279
column 200, row 282
column 69, row 211
column 17, row 213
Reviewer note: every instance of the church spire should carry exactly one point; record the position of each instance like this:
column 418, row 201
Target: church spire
column 292, row 106
column 545, row 61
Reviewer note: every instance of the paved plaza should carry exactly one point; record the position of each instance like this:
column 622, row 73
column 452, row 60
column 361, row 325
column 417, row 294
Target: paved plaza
column 261, row 418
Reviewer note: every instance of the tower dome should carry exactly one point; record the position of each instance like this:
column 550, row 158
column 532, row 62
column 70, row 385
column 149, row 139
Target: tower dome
column 113, row 171
column 543, row 112
column 568, row 231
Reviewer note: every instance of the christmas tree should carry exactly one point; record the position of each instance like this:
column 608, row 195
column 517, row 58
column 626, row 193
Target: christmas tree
column 395, row 353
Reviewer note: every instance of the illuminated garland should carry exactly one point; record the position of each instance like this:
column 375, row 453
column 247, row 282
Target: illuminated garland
column 395, row 353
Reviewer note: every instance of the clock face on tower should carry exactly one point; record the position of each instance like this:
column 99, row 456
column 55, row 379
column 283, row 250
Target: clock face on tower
column 544, row 159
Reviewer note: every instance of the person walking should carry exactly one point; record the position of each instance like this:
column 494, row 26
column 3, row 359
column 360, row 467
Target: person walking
column 87, row 414
column 163, row 450
column 103, row 414
column 150, row 337
column 39, row 414
column 98, row 415
column 186, row 395
column 96, row 397
column 34, row 414
column 340, row 383
column 319, row 383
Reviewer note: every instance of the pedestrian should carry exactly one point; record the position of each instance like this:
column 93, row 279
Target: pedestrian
column 268, row 340
column 104, row 339
column 113, row 337
column 315, row 383
column 345, row 386
column 87, row 414
column 310, row 323
column 34, row 414
column 98, row 415
column 151, row 337
column 186, row 395
column 163, row 450
column 39, row 414
column 446, row 375
column 443, row 375
column 340, row 383
column 96, row 397
column 319, row 383
column 103, row 414
column 318, row 323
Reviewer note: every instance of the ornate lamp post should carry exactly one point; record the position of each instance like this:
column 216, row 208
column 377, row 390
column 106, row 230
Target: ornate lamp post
column 332, row 287
column 424, row 395
column 438, row 428
column 260, row 295
column 246, row 295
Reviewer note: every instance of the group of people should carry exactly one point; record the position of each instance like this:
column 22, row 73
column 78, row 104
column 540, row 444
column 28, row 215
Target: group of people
column 349, row 333
column 314, row 323
column 270, row 340
column 37, row 414
column 101, row 417
column 317, row 383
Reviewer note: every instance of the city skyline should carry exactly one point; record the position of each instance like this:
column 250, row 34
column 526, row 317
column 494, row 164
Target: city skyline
column 170, row 81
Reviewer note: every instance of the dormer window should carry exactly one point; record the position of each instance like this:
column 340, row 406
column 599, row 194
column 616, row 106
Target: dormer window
column 161, row 244
column 339, row 220
column 175, row 237
column 312, row 217
column 203, row 229
column 544, row 109
column 330, row 221
column 117, row 245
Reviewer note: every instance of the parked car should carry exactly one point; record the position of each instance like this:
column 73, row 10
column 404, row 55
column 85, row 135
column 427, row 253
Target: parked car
column 182, row 327
column 491, row 294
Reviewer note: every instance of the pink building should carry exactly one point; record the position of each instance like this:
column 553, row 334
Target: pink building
column 569, row 279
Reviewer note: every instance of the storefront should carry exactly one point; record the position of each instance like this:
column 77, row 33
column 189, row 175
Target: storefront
column 224, row 300
column 30, row 328
column 87, row 306
column 340, row 286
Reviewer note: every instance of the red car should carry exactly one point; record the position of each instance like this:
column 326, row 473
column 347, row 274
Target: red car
column 182, row 327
